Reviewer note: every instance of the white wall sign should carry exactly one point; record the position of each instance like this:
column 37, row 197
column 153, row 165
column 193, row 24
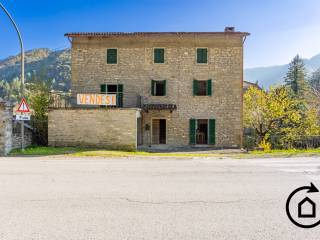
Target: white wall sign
column 23, row 117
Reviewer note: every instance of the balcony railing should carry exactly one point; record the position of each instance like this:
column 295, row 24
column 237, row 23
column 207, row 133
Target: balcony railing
column 69, row 100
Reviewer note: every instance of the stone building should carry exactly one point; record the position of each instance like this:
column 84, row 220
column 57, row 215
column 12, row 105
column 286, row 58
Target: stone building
column 173, row 89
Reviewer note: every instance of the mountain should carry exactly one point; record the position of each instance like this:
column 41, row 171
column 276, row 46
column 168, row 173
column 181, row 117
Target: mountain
column 53, row 65
column 274, row 75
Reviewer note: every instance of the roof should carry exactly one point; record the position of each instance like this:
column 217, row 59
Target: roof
column 107, row 34
column 247, row 84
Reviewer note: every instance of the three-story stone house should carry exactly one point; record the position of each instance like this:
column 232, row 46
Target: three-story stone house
column 185, row 86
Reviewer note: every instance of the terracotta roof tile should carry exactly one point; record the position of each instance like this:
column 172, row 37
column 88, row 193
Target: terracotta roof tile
column 106, row 34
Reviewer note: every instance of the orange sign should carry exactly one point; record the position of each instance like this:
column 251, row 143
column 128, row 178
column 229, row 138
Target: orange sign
column 23, row 107
column 97, row 99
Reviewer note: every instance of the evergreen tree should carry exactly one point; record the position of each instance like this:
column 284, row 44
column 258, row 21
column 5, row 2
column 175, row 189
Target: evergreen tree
column 315, row 80
column 296, row 77
column 314, row 83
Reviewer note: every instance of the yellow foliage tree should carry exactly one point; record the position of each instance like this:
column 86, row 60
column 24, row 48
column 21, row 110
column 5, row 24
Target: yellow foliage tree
column 278, row 114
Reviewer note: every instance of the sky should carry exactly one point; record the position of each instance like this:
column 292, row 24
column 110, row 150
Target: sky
column 279, row 29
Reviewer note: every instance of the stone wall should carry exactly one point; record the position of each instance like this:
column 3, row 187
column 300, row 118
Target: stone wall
column 16, row 135
column 98, row 128
column 10, row 131
column 135, row 70
column 5, row 127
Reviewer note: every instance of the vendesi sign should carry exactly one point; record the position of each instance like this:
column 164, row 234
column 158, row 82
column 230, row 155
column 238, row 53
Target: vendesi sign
column 97, row 99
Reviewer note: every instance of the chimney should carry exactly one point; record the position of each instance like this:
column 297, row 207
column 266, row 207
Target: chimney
column 229, row 29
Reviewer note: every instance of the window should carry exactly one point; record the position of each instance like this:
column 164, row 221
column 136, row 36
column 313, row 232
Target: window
column 158, row 55
column 158, row 88
column 202, row 88
column 114, row 89
column 202, row 55
column 112, row 56
column 202, row 131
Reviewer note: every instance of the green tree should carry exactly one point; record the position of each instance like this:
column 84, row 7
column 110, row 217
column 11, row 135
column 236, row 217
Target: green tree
column 314, row 80
column 278, row 114
column 296, row 77
column 266, row 112
column 39, row 100
column 314, row 83
column 10, row 91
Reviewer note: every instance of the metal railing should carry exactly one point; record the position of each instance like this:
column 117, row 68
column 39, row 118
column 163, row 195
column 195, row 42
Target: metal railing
column 281, row 142
column 69, row 100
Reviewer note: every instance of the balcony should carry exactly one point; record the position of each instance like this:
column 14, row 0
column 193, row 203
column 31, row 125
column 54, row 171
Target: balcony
column 70, row 100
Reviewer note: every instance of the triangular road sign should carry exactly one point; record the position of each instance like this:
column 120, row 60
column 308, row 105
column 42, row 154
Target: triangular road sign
column 23, row 107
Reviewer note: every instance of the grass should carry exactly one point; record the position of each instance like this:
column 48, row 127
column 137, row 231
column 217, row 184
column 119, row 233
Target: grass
column 88, row 152
column 287, row 152
column 110, row 153
column 85, row 152
column 43, row 151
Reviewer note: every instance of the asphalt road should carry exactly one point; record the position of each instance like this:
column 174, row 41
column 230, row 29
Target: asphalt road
column 151, row 198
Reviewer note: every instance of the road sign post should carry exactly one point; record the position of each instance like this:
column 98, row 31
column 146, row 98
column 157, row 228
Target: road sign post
column 22, row 63
column 23, row 108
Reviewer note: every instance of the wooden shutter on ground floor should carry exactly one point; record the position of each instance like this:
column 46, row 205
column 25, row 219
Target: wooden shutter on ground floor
column 212, row 131
column 192, row 131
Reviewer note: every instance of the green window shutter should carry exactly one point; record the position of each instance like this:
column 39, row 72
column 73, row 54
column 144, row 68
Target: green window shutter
column 120, row 95
column 192, row 131
column 202, row 55
column 195, row 87
column 212, row 131
column 152, row 87
column 103, row 88
column 158, row 55
column 112, row 56
column 165, row 87
column 209, row 87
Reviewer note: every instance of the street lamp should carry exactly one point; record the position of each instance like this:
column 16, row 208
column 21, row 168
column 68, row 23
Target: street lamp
column 22, row 65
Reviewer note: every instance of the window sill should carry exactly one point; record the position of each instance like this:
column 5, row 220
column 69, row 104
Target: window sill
column 202, row 95
column 203, row 64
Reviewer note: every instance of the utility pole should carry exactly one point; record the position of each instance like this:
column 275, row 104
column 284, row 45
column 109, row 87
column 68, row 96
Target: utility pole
column 22, row 66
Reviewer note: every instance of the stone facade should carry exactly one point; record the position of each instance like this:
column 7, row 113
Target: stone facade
column 99, row 128
column 6, row 110
column 135, row 70
column 16, row 135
